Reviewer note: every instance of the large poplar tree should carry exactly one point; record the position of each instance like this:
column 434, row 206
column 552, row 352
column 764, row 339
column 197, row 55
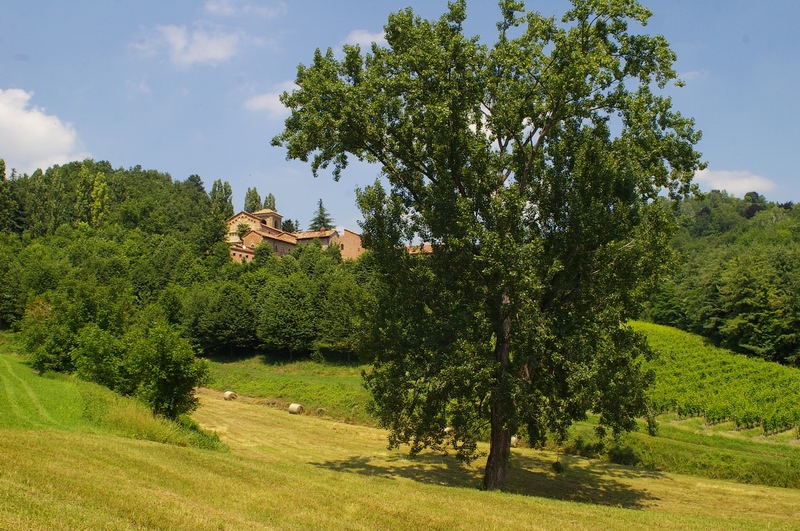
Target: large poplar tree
column 222, row 198
column 252, row 200
column 534, row 167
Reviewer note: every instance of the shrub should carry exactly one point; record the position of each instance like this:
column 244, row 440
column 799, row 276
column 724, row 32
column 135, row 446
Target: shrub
column 163, row 371
column 97, row 356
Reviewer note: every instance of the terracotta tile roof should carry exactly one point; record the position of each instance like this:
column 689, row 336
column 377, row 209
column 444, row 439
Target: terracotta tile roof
column 243, row 213
column 264, row 212
column 276, row 235
column 271, row 230
column 315, row 234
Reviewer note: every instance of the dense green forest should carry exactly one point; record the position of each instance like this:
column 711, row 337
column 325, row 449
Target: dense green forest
column 737, row 278
column 123, row 277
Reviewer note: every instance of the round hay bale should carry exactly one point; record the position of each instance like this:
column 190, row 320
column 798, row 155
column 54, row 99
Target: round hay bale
column 230, row 395
column 296, row 409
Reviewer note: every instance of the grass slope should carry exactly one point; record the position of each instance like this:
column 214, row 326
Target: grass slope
column 696, row 379
column 324, row 389
column 691, row 376
column 304, row 472
column 60, row 402
column 684, row 445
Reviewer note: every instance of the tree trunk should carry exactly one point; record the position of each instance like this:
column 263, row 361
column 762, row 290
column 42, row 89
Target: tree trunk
column 500, row 450
column 500, row 443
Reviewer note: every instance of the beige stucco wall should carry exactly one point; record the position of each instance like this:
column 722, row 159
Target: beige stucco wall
column 350, row 245
column 308, row 237
column 279, row 247
column 240, row 255
column 271, row 218
column 233, row 223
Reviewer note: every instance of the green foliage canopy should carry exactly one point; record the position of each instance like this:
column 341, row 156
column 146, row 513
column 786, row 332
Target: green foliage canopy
column 269, row 202
column 290, row 226
column 220, row 318
column 6, row 204
column 533, row 167
column 164, row 371
column 222, row 198
column 321, row 219
column 738, row 280
column 88, row 251
column 252, row 200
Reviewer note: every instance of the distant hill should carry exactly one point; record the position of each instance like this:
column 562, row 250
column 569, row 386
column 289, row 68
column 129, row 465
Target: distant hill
column 737, row 281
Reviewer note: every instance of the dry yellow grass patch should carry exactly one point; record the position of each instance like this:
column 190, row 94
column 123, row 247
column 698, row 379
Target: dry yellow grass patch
column 361, row 451
column 301, row 472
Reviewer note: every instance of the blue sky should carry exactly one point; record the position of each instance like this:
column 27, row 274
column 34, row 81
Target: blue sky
column 190, row 87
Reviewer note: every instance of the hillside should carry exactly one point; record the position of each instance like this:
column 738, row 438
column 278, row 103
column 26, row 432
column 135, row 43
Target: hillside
column 736, row 280
column 696, row 379
column 687, row 372
column 63, row 403
column 300, row 472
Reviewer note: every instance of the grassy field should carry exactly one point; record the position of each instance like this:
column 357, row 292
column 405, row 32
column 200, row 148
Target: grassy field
column 303, row 472
column 687, row 445
column 325, row 389
column 63, row 469
column 59, row 402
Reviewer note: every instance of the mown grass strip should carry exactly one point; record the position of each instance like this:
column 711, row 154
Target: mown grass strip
column 32, row 398
column 60, row 402
column 302, row 472
column 37, row 402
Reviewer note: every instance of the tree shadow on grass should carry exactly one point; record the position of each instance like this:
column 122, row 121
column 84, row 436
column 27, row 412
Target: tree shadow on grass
column 579, row 481
column 595, row 483
column 427, row 468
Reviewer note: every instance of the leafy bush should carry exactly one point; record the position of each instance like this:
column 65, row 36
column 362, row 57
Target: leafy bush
column 97, row 356
column 163, row 371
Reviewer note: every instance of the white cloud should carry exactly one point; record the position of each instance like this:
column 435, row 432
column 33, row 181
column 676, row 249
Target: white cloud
column 200, row 45
column 737, row 182
column 140, row 87
column 30, row 138
column 693, row 74
column 270, row 101
column 147, row 47
column 237, row 8
column 365, row 38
